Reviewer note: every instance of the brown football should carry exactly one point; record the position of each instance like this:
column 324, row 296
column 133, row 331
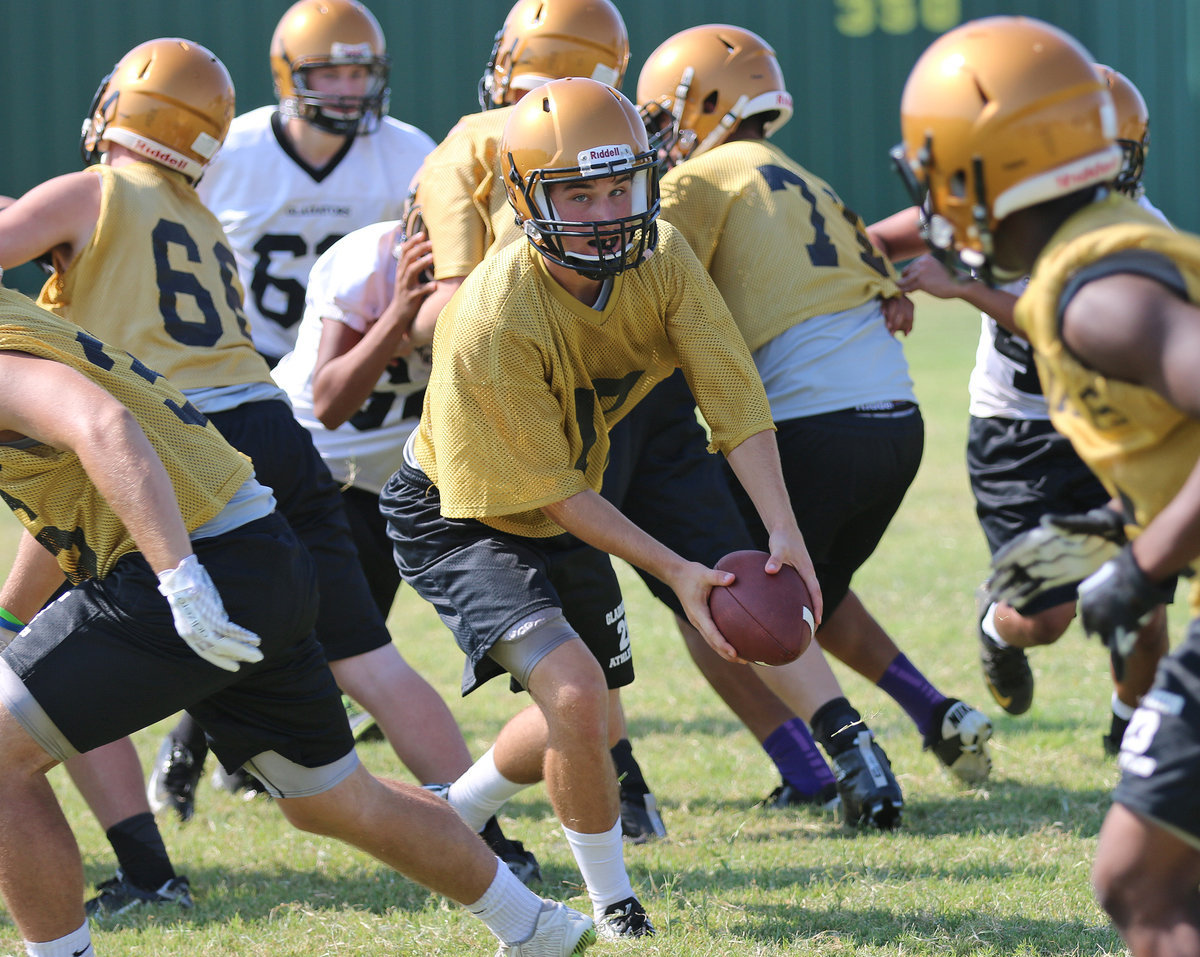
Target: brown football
column 767, row 618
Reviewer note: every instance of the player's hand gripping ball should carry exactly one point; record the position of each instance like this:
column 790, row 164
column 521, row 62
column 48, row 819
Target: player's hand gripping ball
column 767, row 618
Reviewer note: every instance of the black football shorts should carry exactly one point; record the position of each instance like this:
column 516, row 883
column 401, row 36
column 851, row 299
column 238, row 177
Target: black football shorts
column 1160, row 753
column 104, row 659
column 662, row 477
column 1020, row 470
column 482, row 582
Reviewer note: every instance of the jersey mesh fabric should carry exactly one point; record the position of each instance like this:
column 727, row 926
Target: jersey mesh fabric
column 527, row 380
column 779, row 243
column 158, row 279
column 462, row 197
column 1139, row 445
column 48, row 489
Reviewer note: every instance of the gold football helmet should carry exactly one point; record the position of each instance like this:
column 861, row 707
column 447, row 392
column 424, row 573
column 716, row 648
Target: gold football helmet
column 998, row 115
column 544, row 40
column 700, row 83
column 323, row 33
column 169, row 100
column 572, row 130
column 1133, row 127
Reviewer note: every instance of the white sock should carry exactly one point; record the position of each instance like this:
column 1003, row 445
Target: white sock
column 601, row 860
column 989, row 626
column 508, row 908
column 481, row 791
column 1121, row 709
column 76, row 944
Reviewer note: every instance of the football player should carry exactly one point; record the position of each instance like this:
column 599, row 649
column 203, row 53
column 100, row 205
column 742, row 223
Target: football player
column 1010, row 146
column 467, row 215
column 495, row 512
column 294, row 178
column 131, row 229
column 823, row 342
column 163, row 531
column 1020, row 467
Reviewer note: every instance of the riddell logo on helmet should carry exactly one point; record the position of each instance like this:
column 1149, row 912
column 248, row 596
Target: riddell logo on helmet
column 1093, row 172
column 616, row 155
column 159, row 154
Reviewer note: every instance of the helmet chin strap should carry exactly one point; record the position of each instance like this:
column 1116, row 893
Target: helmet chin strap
column 723, row 128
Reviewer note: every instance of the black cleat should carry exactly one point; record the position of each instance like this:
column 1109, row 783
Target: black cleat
column 785, row 796
column 959, row 738
column 624, row 920
column 640, row 820
column 118, row 896
column 520, row 861
column 869, row 790
column 1006, row 671
column 173, row 779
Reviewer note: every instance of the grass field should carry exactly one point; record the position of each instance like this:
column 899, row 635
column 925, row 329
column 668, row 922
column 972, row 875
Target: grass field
column 1002, row 870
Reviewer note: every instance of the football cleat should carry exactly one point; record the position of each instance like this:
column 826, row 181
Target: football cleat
column 1006, row 670
column 362, row 723
column 518, row 860
column 786, row 795
column 869, row 791
column 240, row 782
column 173, row 779
column 1111, row 742
column 624, row 920
column 559, row 932
column 959, row 738
column 118, row 896
column 640, row 820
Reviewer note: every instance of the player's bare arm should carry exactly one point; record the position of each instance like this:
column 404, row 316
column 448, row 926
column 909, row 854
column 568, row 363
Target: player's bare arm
column 33, row 578
column 440, row 293
column 898, row 236
column 1133, row 328
column 591, row 518
column 57, row 216
column 349, row 364
column 927, row 275
column 110, row 445
column 755, row 462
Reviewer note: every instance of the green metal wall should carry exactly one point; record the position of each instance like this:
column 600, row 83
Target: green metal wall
column 845, row 61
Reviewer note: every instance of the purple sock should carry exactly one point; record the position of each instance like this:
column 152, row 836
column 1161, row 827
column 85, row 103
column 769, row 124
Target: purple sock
column 801, row 764
column 912, row 691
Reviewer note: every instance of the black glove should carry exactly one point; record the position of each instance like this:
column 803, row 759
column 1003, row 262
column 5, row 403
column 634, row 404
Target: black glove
column 1117, row 600
column 1062, row 550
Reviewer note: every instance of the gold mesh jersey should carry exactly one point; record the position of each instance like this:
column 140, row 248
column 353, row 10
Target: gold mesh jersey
column 48, row 489
column 527, row 381
column 1139, row 445
column 158, row 279
column 776, row 240
column 462, row 198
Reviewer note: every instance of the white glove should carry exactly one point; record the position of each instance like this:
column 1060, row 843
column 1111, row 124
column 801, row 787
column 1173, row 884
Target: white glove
column 201, row 620
column 1062, row 550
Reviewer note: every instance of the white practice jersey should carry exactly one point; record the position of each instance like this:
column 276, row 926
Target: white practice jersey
column 280, row 215
column 352, row 282
column 1004, row 383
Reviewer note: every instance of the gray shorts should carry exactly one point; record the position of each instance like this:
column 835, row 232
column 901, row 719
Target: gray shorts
column 483, row 582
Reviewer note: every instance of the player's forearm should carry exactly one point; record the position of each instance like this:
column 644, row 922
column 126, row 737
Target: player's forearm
column 756, row 464
column 33, row 578
column 343, row 384
column 593, row 519
column 127, row 472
